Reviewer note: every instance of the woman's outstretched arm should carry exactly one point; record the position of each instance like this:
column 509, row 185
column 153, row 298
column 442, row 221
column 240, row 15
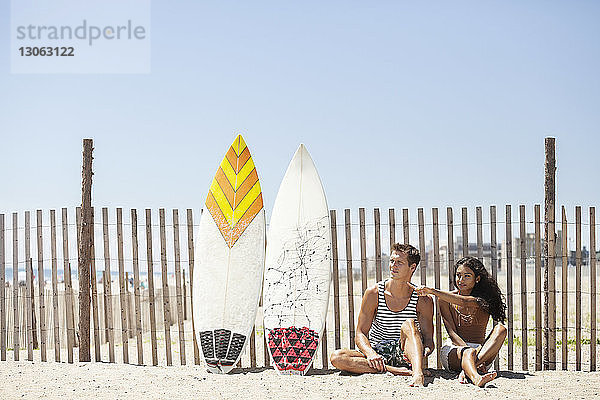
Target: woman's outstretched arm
column 449, row 297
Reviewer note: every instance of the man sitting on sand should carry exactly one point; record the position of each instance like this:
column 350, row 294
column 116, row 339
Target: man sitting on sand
column 395, row 325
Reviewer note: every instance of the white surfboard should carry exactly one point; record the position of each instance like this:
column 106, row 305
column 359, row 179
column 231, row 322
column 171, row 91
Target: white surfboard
column 298, row 267
column 230, row 254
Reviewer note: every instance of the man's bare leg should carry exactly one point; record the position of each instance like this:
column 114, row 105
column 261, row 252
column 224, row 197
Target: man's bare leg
column 412, row 346
column 468, row 362
column 351, row 361
column 354, row 361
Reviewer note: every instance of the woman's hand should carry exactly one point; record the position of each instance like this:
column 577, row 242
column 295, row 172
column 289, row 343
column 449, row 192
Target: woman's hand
column 421, row 290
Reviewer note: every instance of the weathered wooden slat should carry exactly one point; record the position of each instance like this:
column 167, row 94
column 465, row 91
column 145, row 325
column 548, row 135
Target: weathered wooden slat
column 29, row 286
column 107, row 288
column 392, row 225
column 136, row 287
column 105, row 297
column 578, row 288
column 3, row 291
column 165, row 287
column 122, row 289
column 450, row 229
column 349, row 277
column 150, row 271
column 509, row 286
column 68, row 288
column 185, row 301
column 74, row 297
column 363, row 249
column 128, row 308
column 41, row 282
column 94, row 284
column 479, row 219
column 422, row 248
column 336, row 279
column 494, row 259
column 551, row 289
column 523, row 241
column 436, row 269
column 405, row 226
column 565, row 291
column 593, row 288
column 178, row 292
column 423, row 253
column 538, row 289
column 376, row 218
column 15, row 269
column 465, row 232
column 190, row 240
column 253, row 347
column 28, row 299
column 55, row 310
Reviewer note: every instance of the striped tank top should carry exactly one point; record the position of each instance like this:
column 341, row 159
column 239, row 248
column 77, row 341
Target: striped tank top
column 387, row 323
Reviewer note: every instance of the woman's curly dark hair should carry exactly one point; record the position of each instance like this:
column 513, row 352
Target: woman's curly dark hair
column 486, row 290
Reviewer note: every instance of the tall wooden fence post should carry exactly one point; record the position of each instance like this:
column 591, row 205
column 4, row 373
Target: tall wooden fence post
column 549, row 253
column 87, row 224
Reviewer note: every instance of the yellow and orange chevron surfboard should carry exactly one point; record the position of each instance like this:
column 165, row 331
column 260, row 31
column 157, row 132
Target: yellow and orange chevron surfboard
column 230, row 260
column 235, row 197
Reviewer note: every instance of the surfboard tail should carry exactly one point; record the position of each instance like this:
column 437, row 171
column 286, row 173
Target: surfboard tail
column 221, row 349
column 293, row 349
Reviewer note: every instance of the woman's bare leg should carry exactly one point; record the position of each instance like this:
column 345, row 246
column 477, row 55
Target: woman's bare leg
column 468, row 362
column 491, row 347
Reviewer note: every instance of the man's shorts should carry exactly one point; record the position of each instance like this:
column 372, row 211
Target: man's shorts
column 392, row 353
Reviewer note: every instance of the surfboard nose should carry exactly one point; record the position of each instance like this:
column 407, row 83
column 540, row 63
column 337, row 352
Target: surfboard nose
column 238, row 144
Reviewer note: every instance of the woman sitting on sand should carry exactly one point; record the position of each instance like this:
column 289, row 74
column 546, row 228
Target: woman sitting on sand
column 466, row 312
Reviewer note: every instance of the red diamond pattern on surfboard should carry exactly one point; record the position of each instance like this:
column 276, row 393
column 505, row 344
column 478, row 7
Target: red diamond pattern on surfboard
column 293, row 348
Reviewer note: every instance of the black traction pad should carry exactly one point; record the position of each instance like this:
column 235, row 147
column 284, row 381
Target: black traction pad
column 221, row 347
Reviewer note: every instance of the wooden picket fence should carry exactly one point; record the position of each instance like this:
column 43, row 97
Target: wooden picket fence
column 46, row 317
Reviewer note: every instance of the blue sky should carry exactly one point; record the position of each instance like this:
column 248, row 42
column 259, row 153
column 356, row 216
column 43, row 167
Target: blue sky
column 401, row 104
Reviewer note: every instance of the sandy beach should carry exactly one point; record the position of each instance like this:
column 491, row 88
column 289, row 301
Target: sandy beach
column 35, row 380
column 102, row 380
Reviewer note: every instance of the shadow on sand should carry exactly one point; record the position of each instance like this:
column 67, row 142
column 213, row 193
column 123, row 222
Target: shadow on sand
column 448, row 375
column 257, row 370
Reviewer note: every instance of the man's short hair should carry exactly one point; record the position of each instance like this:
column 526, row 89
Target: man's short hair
column 412, row 253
